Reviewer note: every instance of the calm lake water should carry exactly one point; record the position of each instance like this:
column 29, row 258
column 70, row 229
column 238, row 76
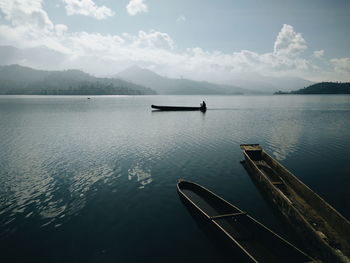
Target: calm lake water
column 95, row 180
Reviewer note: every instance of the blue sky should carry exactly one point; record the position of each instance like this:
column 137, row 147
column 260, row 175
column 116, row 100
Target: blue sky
column 206, row 40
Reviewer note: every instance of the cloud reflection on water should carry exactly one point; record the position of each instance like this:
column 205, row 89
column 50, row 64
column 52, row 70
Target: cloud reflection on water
column 142, row 175
column 49, row 188
column 285, row 138
column 284, row 142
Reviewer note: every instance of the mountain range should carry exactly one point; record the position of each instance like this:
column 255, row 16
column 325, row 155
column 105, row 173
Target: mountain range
column 44, row 58
column 16, row 79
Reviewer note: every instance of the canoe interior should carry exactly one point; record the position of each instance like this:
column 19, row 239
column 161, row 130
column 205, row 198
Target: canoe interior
column 330, row 226
column 256, row 240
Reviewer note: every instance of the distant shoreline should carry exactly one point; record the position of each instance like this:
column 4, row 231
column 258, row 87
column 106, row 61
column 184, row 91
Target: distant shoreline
column 322, row 88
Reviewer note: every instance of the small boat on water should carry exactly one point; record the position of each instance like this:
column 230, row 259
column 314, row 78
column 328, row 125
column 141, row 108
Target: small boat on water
column 179, row 108
column 255, row 242
column 322, row 228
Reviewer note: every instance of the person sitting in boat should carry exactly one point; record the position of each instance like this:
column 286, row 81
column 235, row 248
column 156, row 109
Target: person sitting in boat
column 203, row 105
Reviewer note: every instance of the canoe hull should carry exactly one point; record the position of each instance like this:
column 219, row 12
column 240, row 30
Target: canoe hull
column 246, row 236
column 312, row 238
column 177, row 108
column 218, row 238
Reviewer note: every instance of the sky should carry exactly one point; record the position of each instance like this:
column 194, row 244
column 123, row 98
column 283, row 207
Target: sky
column 208, row 40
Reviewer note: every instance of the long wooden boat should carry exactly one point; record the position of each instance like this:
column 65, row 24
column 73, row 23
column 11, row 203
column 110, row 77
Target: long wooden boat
column 255, row 242
column 178, row 108
column 322, row 228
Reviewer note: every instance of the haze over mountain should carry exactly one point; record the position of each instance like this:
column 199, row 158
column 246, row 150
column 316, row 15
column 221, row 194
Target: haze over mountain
column 16, row 79
column 39, row 57
column 165, row 85
column 272, row 84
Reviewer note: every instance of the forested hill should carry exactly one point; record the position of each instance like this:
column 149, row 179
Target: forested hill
column 16, row 79
column 323, row 88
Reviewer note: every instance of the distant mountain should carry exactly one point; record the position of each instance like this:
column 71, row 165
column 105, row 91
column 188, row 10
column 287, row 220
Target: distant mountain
column 16, row 79
column 43, row 57
column 164, row 85
column 323, row 88
column 271, row 84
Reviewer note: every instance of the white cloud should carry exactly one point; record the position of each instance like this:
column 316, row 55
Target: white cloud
column 29, row 26
column 26, row 13
column 181, row 18
column 318, row 53
column 84, row 43
column 341, row 65
column 289, row 43
column 87, row 8
column 153, row 39
column 136, row 6
column 60, row 29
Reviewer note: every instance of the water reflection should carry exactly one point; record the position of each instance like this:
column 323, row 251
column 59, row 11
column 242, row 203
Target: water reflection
column 68, row 163
column 44, row 187
column 284, row 139
column 284, row 142
column 142, row 175
column 83, row 182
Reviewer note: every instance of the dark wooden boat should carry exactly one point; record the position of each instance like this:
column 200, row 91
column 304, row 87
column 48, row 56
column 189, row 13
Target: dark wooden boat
column 323, row 229
column 255, row 242
column 178, row 108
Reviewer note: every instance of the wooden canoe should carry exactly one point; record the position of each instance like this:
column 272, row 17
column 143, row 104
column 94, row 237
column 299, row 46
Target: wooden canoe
column 253, row 240
column 178, row 108
column 322, row 228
